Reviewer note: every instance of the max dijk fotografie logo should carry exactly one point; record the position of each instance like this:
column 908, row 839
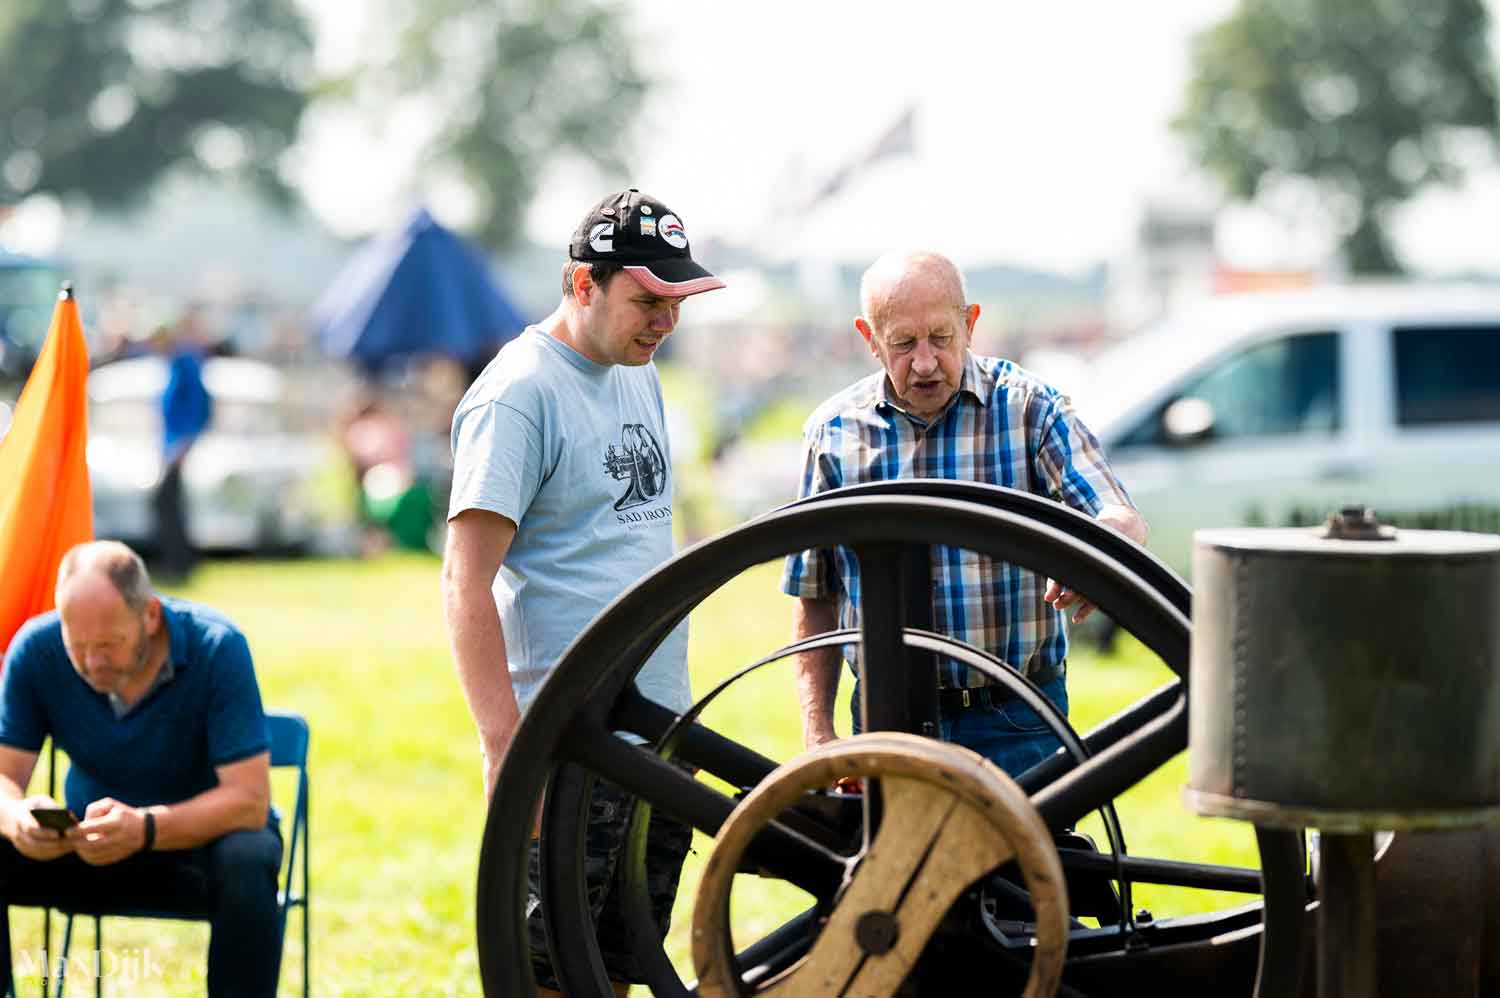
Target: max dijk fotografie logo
column 126, row 965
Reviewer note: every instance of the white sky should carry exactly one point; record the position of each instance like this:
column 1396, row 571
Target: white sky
column 1038, row 125
column 1040, row 129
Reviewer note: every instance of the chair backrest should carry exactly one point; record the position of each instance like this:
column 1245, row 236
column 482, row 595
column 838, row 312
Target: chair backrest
column 289, row 736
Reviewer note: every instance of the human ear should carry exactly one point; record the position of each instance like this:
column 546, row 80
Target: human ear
column 865, row 331
column 583, row 284
column 971, row 317
column 152, row 615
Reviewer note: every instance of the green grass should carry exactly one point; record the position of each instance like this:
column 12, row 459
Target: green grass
column 358, row 648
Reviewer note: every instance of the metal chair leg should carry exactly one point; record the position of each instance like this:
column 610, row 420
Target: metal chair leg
column 62, row 961
column 306, row 905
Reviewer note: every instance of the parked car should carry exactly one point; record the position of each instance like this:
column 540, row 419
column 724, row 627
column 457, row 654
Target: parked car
column 1273, row 409
column 246, row 478
column 28, row 295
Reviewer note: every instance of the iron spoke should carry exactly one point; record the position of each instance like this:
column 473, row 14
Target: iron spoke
column 637, row 770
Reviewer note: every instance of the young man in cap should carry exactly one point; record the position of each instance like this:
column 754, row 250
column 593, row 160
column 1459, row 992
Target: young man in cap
column 562, row 497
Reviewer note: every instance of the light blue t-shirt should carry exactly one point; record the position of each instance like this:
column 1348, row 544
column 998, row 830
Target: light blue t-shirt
column 576, row 454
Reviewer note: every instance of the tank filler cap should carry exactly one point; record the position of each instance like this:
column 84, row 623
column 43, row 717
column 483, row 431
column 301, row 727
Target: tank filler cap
column 1356, row 523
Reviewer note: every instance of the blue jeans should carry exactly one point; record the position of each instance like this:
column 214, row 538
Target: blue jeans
column 1011, row 735
column 230, row 882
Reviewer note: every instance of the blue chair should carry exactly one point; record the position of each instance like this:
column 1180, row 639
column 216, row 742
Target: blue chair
column 289, row 736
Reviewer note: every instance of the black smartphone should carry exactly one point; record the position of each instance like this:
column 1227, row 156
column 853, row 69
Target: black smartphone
column 59, row 819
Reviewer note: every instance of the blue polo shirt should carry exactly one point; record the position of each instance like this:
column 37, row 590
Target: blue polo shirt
column 166, row 748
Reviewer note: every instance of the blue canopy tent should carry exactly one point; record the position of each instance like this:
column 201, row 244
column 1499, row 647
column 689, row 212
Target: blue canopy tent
column 419, row 291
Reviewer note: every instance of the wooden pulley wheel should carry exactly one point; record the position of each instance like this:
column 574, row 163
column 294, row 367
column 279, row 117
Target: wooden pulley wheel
column 948, row 817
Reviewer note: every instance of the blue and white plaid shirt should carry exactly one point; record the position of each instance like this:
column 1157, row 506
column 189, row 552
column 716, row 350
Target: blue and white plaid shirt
column 1003, row 426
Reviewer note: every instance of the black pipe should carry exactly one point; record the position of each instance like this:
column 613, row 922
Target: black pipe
column 1115, row 770
column 1167, row 872
column 696, row 745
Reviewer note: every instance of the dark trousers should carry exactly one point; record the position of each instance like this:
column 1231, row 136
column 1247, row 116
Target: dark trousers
column 174, row 548
column 230, row 882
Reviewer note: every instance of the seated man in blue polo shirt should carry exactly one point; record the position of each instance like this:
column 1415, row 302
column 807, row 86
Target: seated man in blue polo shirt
column 155, row 702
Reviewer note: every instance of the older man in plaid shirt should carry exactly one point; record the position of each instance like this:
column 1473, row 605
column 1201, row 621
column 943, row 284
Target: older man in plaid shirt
column 936, row 410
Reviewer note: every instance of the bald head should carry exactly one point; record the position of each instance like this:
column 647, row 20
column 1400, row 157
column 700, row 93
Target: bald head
column 917, row 322
column 111, row 621
column 894, row 276
column 106, row 561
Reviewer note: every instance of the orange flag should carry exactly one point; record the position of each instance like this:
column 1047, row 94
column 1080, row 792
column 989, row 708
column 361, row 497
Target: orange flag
column 45, row 507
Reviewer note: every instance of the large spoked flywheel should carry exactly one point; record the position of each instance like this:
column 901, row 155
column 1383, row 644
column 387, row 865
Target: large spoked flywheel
column 575, row 732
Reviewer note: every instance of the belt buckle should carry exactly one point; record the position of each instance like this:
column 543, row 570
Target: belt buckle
column 964, row 700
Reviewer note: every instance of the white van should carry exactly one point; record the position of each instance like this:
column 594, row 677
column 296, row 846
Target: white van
column 1273, row 409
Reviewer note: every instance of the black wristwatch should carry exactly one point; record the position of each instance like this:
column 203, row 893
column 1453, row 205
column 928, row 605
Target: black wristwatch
column 150, row 832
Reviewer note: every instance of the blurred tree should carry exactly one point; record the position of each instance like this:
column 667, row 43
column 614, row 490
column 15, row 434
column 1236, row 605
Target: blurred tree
column 1369, row 99
column 508, row 90
column 101, row 96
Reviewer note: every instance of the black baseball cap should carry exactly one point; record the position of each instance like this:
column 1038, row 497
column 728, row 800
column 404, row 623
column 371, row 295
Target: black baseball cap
column 645, row 237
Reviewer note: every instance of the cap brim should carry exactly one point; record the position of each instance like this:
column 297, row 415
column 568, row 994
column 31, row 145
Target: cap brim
column 676, row 278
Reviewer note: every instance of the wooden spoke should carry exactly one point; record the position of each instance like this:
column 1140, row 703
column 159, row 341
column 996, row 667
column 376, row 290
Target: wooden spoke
column 929, row 848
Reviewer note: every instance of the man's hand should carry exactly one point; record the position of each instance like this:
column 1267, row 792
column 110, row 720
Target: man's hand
column 1061, row 598
column 1125, row 519
column 848, row 785
column 536, row 822
column 494, row 754
column 109, row 832
column 31, row 839
column 493, row 749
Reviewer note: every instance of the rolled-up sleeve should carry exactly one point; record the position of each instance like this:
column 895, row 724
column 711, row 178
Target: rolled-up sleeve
column 1070, row 461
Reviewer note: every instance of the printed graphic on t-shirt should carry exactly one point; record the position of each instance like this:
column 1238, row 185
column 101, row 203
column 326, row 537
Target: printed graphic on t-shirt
column 639, row 459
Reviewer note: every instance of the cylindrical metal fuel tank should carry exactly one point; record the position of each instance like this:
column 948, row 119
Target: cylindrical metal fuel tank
column 1346, row 677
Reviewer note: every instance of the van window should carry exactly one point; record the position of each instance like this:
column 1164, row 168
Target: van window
column 1447, row 375
column 1284, row 386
